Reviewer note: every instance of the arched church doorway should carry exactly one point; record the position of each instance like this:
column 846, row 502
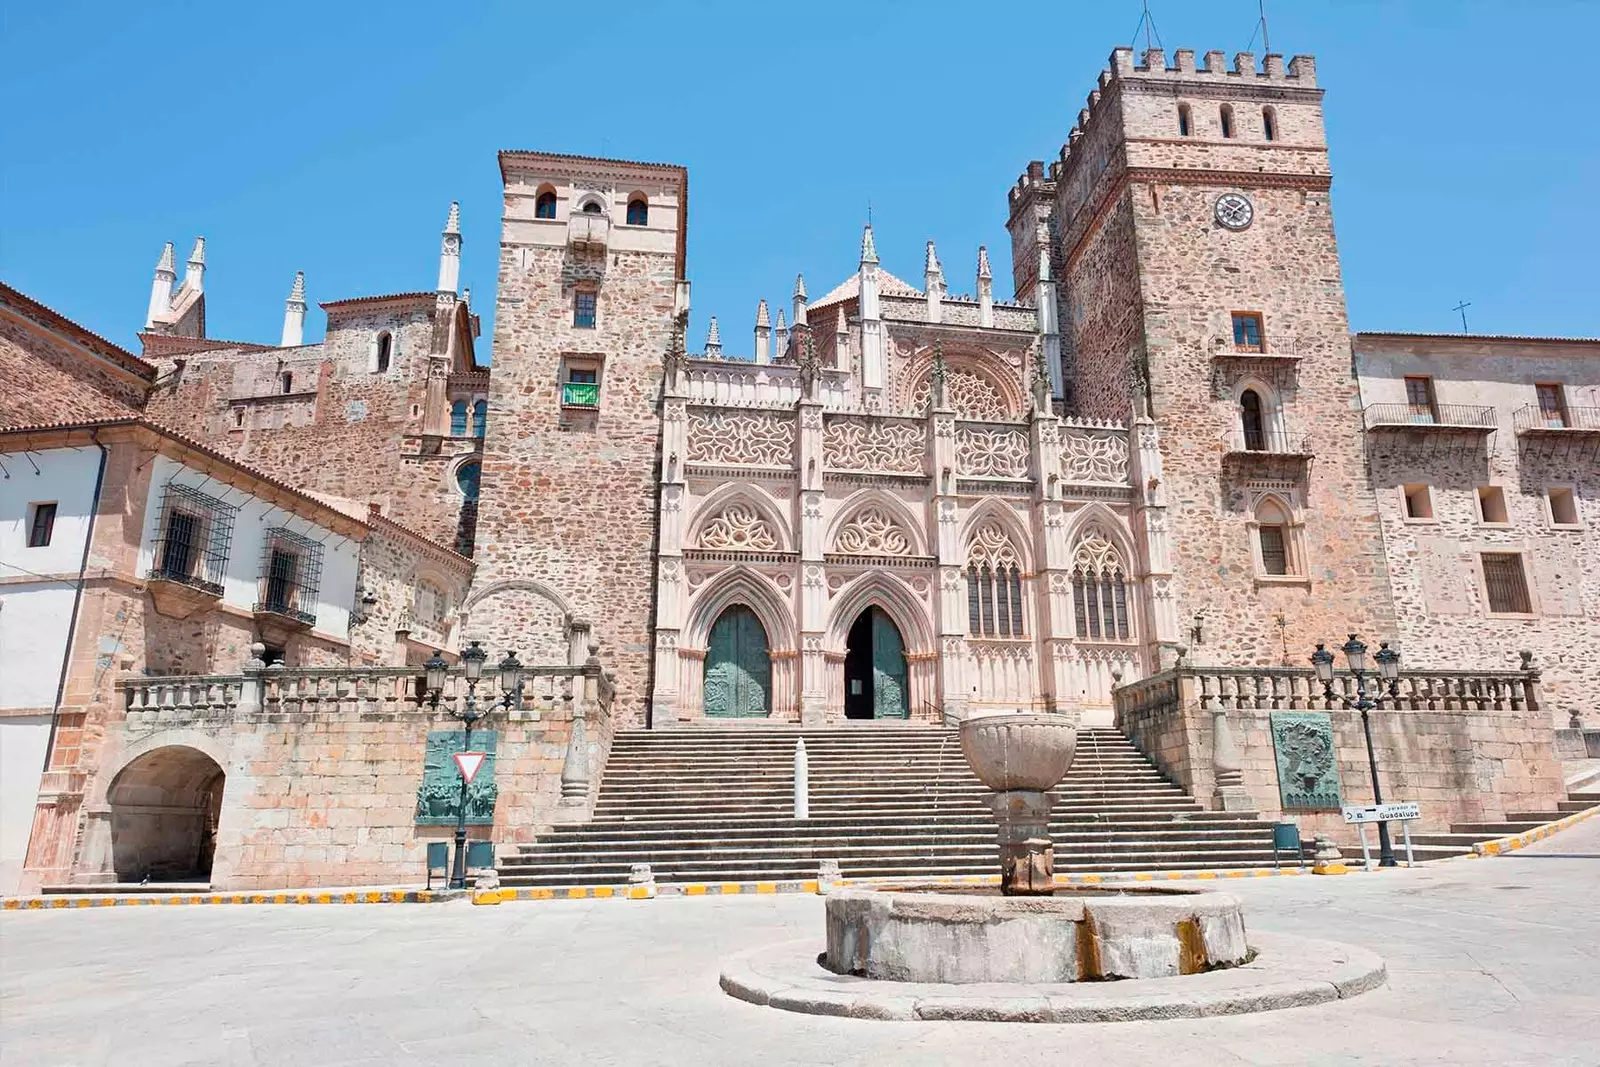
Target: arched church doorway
column 164, row 810
column 875, row 669
column 738, row 683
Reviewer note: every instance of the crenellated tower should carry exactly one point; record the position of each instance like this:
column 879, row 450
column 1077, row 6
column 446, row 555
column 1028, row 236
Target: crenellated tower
column 1188, row 224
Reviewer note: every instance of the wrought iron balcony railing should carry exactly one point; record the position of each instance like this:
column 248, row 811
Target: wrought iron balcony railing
column 193, row 581
column 580, row 395
column 1266, row 443
column 1440, row 416
column 1533, row 419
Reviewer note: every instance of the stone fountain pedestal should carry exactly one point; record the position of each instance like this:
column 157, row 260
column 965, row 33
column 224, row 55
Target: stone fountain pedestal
column 1022, row 756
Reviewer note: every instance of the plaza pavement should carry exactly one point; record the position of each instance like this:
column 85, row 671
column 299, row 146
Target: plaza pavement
column 1492, row 961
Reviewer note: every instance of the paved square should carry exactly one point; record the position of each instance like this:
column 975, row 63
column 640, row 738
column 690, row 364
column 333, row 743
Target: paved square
column 1490, row 962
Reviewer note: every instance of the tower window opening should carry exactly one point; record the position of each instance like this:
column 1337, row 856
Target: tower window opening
column 385, row 343
column 583, row 308
column 544, row 207
column 1269, row 123
column 1274, row 550
column 1251, row 421
column 458, row 419
column 1247, row 331
column 638, row 212
column 288, row 382
column 480, row 418
column 1185, row 121
column 1227, row 120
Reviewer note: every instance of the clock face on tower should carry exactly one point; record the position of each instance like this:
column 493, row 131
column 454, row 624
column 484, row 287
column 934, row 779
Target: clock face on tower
column 1234, row 211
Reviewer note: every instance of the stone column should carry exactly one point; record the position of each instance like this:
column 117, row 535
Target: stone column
column 1052, row 555
column 811, row 576
column 946, row 540
column 1154, row 542
column 666, row 699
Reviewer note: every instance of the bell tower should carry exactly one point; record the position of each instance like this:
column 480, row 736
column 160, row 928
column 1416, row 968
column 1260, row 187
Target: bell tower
column 1189, row 221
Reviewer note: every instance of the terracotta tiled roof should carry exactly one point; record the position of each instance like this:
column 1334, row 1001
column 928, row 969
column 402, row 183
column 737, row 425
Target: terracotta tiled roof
column 54, row 320
column 160, row 344
column 521, row 153
column 850, row 288
column 378, row 299
column 1387, row 335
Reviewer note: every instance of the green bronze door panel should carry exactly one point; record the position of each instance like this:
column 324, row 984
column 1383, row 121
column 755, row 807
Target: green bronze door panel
column 738, row 669
column 888, row 670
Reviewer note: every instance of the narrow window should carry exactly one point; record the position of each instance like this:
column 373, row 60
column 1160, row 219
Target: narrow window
column 1563, row 507
column 1506, row 584
column 1552, row 405
column 1091, row 589
column 1269, row 123
column 580, row 385
column 1227, row 120
column 1419, row 502
column 1492, row 503
column 638, row 211
column 1079, row 604
column 384, row 344
column 1120, row 589
column 480, row 418
column 282, row 567
column 288, row 381
column 974, row 613
column 986, row 595
column 458, row 419
column 1247, row 331
column 178, row 546
column 1108, row 604
column 591, row 208
column 1002, row 603
column 545, row 206
column 238, row 417
column 583, row 305
column 1419, row 398
column 1274, row 550
column 1016, row 602
column 1255, row 434
column 42, row 526
column 1185, row 123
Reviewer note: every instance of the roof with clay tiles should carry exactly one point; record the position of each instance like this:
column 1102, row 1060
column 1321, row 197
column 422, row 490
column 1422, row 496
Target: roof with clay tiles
column 52, row 319
column 850, row 289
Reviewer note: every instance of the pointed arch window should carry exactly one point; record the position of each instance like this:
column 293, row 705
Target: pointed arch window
column 544, row 207
column 638, row 211
column 458, row 419
column 994, row 585
column 1252, row 421
column 480, row 418
column 1100, row 590
column 1278, row 550
column 593, row 208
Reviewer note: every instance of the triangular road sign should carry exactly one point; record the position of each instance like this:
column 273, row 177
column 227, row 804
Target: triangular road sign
column 468, row 763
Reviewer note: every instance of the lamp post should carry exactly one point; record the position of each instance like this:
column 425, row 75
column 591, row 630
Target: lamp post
column 1388, row 661
column 472, row 660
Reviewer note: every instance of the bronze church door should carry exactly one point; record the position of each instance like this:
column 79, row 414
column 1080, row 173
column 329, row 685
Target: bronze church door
column 875, row 669
column 738, row 683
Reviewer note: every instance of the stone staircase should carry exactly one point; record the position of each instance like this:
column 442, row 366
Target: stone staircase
column 1464, row 835
column 715, row 804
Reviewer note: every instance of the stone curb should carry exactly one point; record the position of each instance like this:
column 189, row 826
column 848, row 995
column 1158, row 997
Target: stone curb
column 292, row 896
column 1291, row 972
column 1501, row 845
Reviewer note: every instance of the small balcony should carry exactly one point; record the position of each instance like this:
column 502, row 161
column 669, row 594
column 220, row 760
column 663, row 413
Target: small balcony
column 588, row 233
column 583, row 395
column 1451, row 418
column 1569, row 436
column 179, row 594
column 1287, row 454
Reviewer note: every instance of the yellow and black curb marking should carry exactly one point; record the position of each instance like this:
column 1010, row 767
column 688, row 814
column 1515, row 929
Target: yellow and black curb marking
column 1501, row 845
column 308, row 896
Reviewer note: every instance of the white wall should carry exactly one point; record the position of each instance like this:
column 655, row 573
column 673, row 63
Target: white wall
column 341, row 556
column 22, row 745
column 38, row 585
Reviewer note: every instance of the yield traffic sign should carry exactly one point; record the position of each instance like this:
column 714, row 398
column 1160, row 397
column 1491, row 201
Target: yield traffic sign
column 468, row 764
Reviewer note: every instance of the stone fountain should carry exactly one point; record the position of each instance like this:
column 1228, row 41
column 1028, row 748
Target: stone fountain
column 1032, row 951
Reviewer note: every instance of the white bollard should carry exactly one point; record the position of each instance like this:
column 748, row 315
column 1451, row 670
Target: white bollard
column 802, row 781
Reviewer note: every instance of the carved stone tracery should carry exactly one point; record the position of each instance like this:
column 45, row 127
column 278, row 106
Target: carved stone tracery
column 984, row 453
column 738, row 527
column 873, row 445
column 972, row 395
column 1099, row 458
column 739, row 438
column 872, row 531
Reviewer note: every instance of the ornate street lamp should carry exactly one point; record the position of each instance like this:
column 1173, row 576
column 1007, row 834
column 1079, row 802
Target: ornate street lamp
column 1388, row 661
column 472, row 660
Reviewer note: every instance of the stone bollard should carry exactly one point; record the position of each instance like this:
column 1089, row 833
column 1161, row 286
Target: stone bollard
column 828, row 876
column 641, row 882
column 486, row 887
column 802, row 781
column 1326, row 858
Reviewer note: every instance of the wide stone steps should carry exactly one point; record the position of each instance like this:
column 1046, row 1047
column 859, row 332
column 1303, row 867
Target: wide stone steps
column 716, row 804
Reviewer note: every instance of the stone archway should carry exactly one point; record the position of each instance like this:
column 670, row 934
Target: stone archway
column 164, row 810
column 875, row 669
column 738, row 667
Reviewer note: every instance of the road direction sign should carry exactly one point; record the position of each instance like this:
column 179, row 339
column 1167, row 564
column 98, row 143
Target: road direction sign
column 468, row 764
column 1401, row 811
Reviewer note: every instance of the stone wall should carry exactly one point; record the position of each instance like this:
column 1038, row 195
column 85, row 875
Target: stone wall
column 56, row 371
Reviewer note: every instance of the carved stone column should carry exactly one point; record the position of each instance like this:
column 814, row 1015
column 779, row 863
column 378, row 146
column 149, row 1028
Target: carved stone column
column 666, row 703
column 951, row 602
column 811, row 573
column 1154, row 543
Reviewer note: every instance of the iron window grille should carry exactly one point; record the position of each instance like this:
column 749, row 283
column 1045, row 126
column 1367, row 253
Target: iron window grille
column 1506, row 583
column 291, row 570
column 1274, row 550
column 193, row 538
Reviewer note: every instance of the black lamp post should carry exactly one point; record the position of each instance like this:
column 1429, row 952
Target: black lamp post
column 472, row 660
column 1388, row 661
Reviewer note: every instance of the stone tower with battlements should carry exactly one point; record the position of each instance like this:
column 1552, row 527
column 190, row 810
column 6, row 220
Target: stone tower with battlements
column 591, row 296
column 1188, row 222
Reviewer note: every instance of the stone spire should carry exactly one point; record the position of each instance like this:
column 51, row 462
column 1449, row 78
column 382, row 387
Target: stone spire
column 985, row 289
column 1049, row 331
column 782, row 332
column 869, row 251
column 872, row 370
column 161, row 288
column 763, row 334
column 450, row 252
column 799, row 299
column 194, row 274
column 294, row 314
column 933, row 279
column 713, row 341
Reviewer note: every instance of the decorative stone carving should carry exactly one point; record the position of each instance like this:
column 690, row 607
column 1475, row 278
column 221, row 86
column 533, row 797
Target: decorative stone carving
column 972, row 395
column 985, row 453
column 991, row 546
column 873, row 445
column 1096, row 554
column 872, row 531
column 740, row 438
column 1308, row 768
column 740, row 528
column 1099, row 458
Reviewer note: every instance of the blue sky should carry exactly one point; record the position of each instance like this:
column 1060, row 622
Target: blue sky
column 331, row 138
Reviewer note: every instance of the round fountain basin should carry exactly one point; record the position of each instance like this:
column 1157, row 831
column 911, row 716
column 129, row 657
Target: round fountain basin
column 1023, row 750
column 907, row 933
